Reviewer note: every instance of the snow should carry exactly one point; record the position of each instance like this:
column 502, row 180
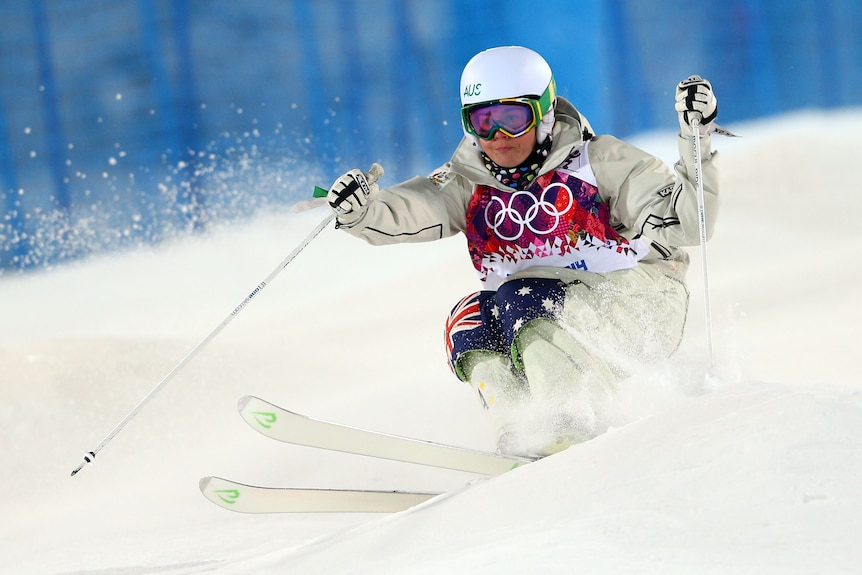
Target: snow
column 754, row 468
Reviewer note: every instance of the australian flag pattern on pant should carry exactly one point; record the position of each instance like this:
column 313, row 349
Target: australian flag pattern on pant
column 490, row 320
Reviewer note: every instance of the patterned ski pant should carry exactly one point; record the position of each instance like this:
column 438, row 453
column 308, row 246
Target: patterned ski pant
column 628, row 315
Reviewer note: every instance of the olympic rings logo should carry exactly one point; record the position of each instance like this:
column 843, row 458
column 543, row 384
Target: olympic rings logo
column 524, row 220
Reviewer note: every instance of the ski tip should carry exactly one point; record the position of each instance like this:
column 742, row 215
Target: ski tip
column 243, row 401
column 255, row 402
column 204, row 483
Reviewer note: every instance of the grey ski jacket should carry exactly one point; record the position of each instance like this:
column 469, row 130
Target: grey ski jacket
column 644, row 210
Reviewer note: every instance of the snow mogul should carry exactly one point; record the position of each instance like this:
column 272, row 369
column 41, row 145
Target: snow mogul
column 575, row 238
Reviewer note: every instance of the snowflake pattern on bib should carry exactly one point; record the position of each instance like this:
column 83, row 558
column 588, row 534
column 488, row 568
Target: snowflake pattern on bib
column 559, row 221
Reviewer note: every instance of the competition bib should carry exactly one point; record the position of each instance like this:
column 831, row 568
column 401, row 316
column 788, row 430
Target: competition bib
column 559, row 221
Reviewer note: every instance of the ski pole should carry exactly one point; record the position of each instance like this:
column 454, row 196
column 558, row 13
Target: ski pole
column 701, row 208
column 89, row 457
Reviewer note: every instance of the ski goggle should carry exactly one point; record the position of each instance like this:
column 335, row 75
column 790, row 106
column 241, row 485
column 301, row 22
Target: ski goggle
column 512, row 116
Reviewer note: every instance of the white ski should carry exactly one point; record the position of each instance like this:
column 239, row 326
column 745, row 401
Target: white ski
column 290, row 427
column 255, row 499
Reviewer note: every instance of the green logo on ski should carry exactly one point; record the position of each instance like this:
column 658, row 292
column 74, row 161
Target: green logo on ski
column 229, row 496
column 264, row 419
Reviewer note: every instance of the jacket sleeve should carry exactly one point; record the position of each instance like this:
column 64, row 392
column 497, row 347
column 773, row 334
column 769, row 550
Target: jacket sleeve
column 649, row 198
column 421, row 209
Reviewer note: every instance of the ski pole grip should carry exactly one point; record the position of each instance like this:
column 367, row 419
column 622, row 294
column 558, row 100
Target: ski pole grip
column 375, row 172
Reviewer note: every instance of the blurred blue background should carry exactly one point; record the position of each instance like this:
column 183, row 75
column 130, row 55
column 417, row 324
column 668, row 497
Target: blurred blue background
column 125, row 122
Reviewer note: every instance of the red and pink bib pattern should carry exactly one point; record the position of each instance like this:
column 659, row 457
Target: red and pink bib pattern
column 559, row 221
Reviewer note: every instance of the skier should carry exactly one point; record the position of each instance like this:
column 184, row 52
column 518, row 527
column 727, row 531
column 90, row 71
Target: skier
column 574, row 237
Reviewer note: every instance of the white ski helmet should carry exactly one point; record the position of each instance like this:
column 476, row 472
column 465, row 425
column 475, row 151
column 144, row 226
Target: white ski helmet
column 509, row 72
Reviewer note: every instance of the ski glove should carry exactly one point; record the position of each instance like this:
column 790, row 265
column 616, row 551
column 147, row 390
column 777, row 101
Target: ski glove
column 349, row 195
column 694, row 99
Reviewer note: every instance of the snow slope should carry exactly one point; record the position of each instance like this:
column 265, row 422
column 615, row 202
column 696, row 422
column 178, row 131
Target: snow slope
column 754, row 470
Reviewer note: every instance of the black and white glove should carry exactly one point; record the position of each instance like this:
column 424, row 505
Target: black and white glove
column 348, row 195
column 695, row 99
